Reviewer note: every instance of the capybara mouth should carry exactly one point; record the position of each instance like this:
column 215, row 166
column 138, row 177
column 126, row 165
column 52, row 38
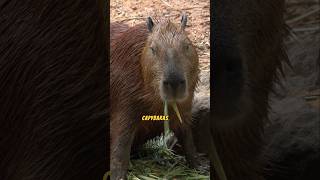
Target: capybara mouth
column 174, row 98
column 173, row 88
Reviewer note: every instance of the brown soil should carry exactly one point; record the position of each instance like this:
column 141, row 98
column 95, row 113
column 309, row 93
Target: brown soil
column 136, row 11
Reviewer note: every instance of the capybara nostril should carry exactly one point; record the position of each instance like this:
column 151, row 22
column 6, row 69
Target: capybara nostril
column 182, row 82
column 170, row 83
column 166, row 83
column 174, row 83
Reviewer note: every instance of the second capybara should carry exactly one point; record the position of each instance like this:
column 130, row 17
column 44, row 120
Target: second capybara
column 151, row 63
column 247, row 53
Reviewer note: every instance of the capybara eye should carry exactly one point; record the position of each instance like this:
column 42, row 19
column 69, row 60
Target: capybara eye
column 153, row 50
column 186, row 47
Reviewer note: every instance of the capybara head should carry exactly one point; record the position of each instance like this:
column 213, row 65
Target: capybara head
column 248, row 50
column 169, row 61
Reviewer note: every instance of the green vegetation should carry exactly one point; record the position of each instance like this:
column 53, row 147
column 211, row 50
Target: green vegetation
column 154, row 161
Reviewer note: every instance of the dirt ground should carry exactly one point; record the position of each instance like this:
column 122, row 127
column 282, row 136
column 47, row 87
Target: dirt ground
column 198, row 11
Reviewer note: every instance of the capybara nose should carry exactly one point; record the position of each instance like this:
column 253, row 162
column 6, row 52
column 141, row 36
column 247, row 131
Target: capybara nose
column 174, row 83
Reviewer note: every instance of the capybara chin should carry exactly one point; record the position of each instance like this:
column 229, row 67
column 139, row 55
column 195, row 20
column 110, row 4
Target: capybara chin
column 248, row 52
column 150, row 63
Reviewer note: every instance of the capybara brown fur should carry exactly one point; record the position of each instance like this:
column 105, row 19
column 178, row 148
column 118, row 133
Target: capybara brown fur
column 53, row 90
column 150, row 62
column 248, row 52
column 117, row 29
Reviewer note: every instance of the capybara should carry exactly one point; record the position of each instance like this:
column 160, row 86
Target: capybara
column 117, row 29
column 151, row 63
column 53, row 90
column 247, row 56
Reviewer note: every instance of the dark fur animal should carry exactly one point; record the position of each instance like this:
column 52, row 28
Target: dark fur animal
column 149, row 63
column 247, row 54
column 53, row 96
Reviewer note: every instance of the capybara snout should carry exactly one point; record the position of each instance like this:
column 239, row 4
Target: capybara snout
column 174, row 86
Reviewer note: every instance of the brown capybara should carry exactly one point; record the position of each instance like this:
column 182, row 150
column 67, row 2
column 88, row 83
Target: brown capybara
column 248, row 51
column 117, row 29
column 150, row 63
column 53, row 90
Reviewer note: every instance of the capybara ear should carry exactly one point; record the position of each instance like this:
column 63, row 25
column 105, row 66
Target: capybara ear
column 150, row 24
column 184, row 21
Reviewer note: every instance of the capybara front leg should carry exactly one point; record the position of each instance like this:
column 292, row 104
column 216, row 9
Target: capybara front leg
column 121, row 141
column 186, row 138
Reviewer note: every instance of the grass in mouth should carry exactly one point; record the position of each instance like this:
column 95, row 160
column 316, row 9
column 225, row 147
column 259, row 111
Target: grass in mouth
column 166, row 113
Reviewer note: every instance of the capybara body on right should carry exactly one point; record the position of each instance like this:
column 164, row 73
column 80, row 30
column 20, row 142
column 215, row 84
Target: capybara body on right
column 248, row 51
